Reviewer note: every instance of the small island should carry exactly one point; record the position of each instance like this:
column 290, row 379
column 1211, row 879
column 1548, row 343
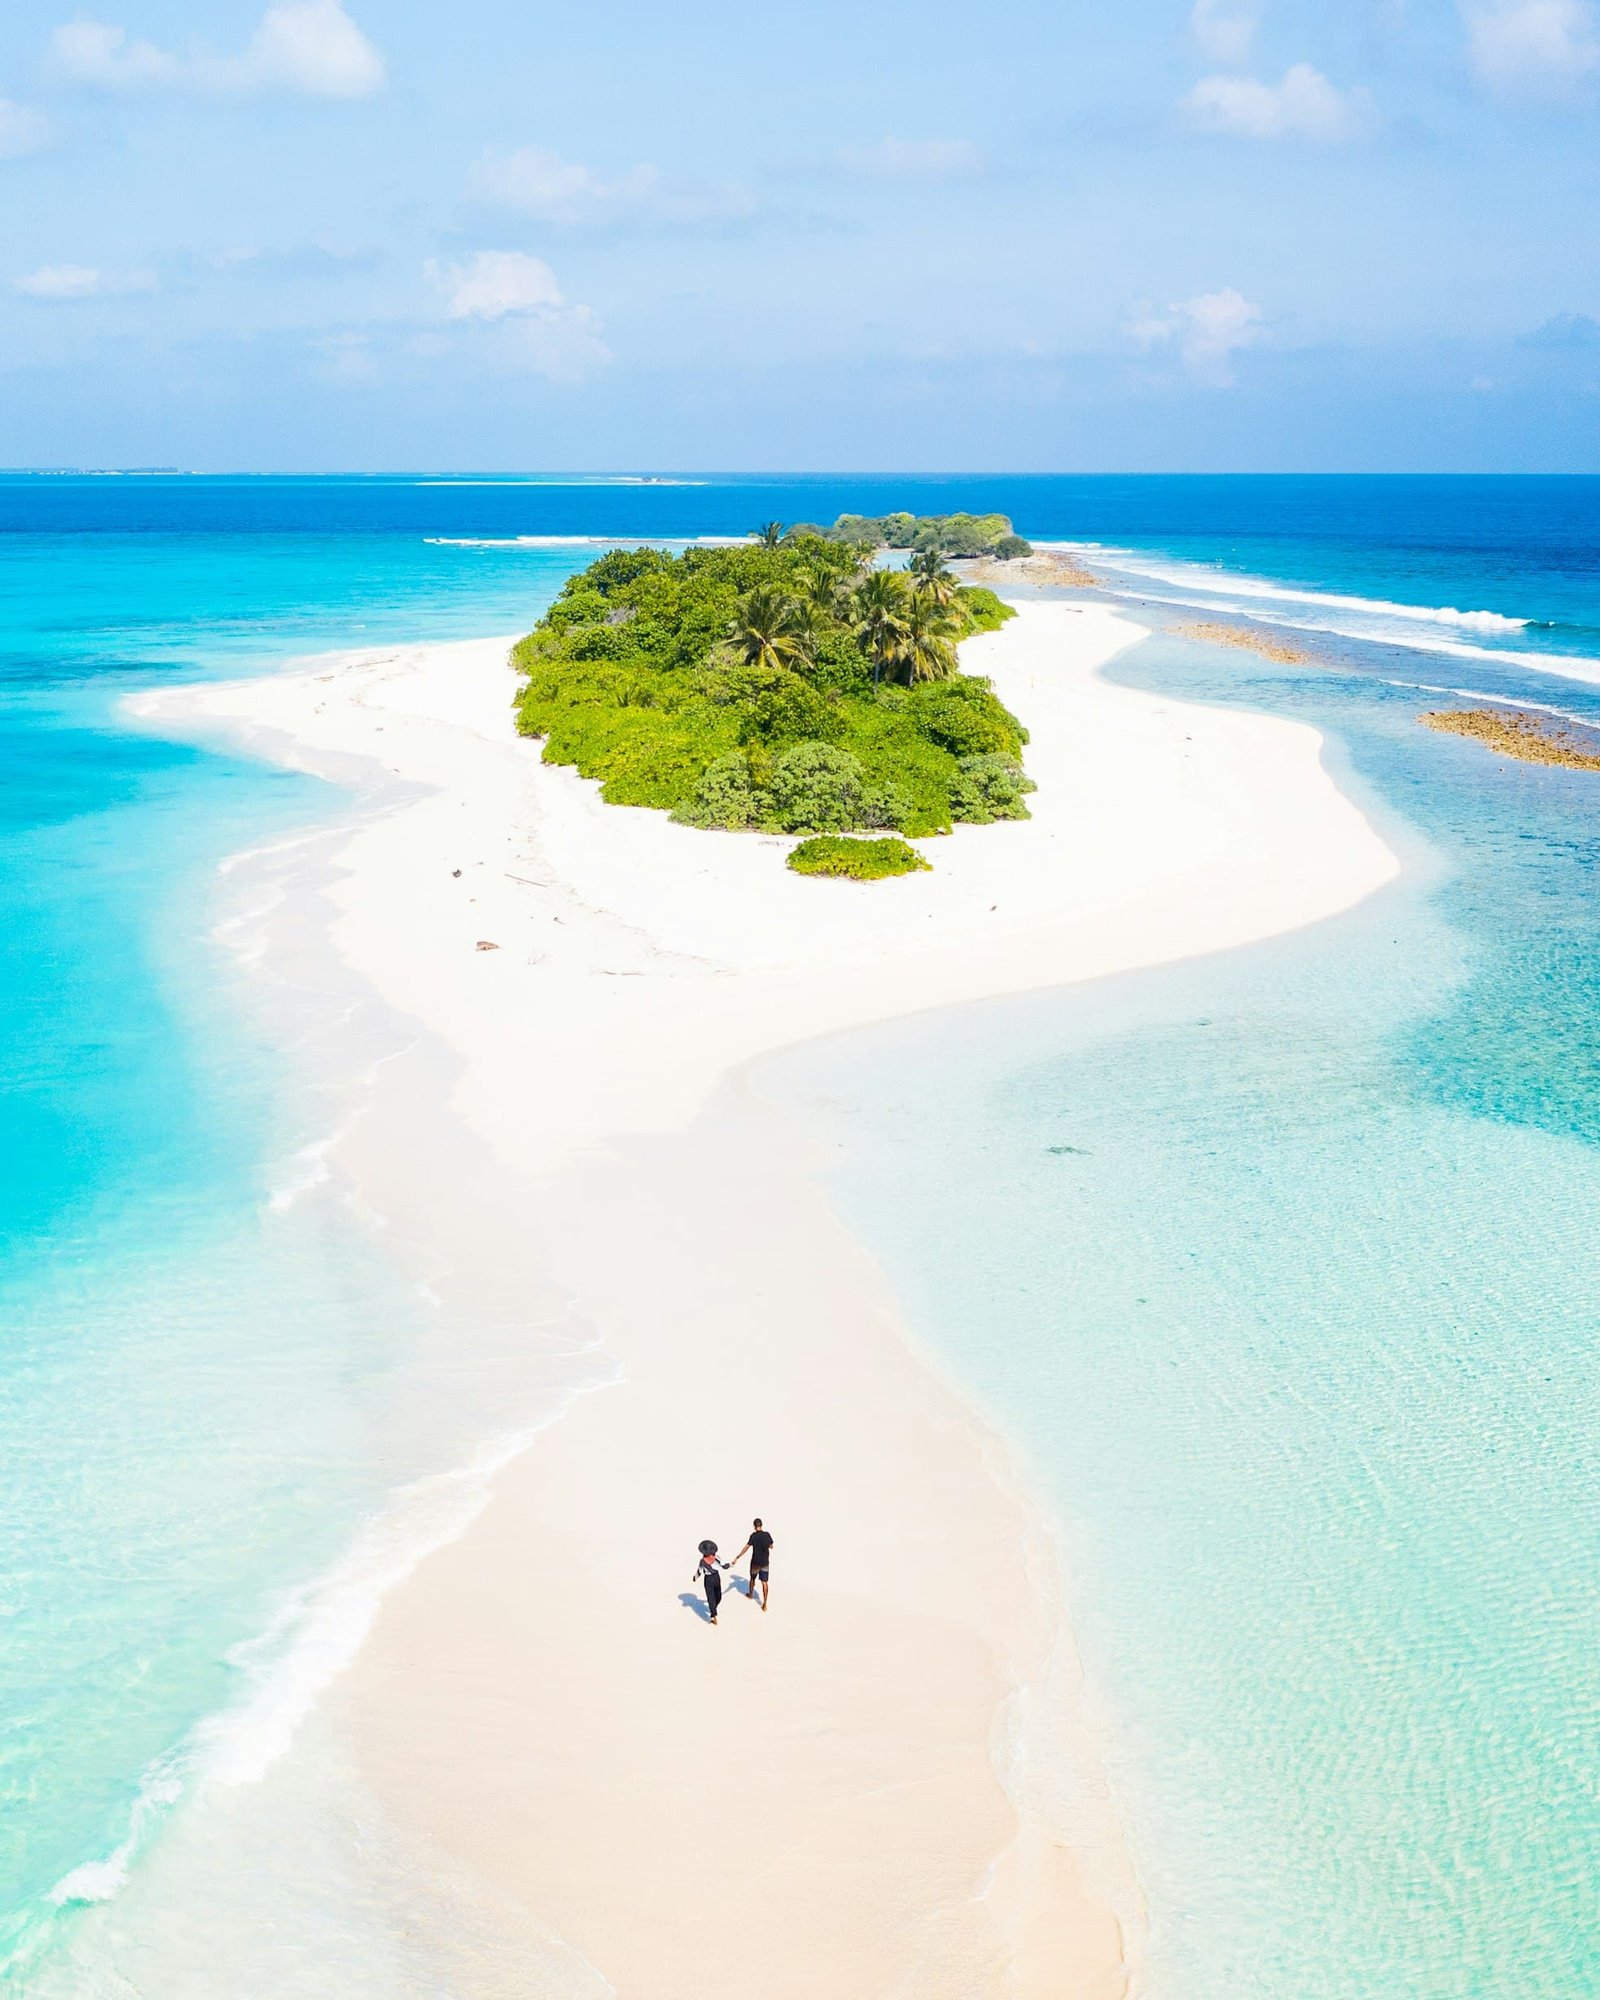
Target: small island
column 956, row 535
column 786, row 685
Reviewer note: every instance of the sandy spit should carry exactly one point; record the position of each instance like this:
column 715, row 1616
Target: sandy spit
column 826, row 1798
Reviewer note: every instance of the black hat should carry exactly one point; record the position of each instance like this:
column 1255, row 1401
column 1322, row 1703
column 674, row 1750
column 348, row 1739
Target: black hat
column 708, row 1548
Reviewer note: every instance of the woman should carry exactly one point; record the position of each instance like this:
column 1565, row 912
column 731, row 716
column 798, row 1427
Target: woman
column 706, row 1570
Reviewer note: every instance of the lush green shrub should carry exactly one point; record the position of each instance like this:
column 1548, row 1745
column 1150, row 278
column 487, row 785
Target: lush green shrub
column 990, row 787
column 1009, row 547
column 578, row 607
column 984, row 611
column 816, row 788
column 787, row 709
column 602, row 642
column 836, row 665
column 725, row 796
column 965, row 717
column 855, row 860
column 895, row 752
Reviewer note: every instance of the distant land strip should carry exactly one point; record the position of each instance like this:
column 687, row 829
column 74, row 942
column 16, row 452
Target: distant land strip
column 1514, row 732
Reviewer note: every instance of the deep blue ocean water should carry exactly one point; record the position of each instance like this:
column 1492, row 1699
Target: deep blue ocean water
column 1300, row 1335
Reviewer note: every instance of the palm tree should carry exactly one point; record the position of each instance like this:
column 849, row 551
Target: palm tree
column 928, row 648
column 928, row 564
column 769, row 629
column 933, row 580
column 881, row 605
column 770, row 534
column 823, row 591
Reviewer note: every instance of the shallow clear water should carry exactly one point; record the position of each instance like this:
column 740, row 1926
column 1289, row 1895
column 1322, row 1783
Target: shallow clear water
column 203, row 1350
column 1283, row 1270
column 1298, row 1333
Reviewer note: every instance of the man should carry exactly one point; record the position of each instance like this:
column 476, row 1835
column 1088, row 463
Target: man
column 760, row 1548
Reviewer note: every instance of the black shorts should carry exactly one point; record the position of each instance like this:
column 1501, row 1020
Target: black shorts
column 758, row 1573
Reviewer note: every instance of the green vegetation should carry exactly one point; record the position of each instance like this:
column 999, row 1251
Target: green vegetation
column 991, row 787
column 942, row 534
column 784, row 685
column 855, row 860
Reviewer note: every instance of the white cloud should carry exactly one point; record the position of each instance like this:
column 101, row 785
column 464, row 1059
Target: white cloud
column 308, row 46
column 95, row 52
column 1538, row 45
column 542, row 184
column 519, row 297
column 1147, row 326
column 314, row 46
column 912, row 159
column 1304, row 105
column 1217, row 325
column 1225, row 29
column 81, row 281
column 1206, row 332
column 22, row 129
column 497, row 283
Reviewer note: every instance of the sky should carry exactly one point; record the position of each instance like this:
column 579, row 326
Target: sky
column 1138, row 235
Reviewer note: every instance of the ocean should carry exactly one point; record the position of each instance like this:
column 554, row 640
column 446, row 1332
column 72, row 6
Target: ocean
column 1277, row 1268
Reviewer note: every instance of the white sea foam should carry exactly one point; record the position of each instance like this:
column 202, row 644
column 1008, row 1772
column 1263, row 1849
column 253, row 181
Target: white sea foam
column 320, row 1629
column 1495, row 700
column 1569, row 666
column 230, row 930
column 311, row 1171
column 98, row 1881
column 516, row 541
column 313, row 1638
column 274, row 847
column 1419, row 628
column 1196, row 576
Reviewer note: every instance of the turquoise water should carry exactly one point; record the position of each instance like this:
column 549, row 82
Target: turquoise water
column 1298, row 1334
column 1282, row 1268
column 198, row 1357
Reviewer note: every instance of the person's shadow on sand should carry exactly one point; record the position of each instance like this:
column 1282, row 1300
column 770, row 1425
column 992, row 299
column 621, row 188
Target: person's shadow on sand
column 696, row 1603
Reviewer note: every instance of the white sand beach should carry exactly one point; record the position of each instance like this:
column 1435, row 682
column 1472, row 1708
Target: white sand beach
column 832, row 1798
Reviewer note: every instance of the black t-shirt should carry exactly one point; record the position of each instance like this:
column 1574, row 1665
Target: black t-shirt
column 760, row 1548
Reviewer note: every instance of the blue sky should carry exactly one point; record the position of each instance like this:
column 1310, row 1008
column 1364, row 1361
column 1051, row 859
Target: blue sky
column 1150, row 235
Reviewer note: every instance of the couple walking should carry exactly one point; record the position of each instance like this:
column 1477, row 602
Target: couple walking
column 759, row 1547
